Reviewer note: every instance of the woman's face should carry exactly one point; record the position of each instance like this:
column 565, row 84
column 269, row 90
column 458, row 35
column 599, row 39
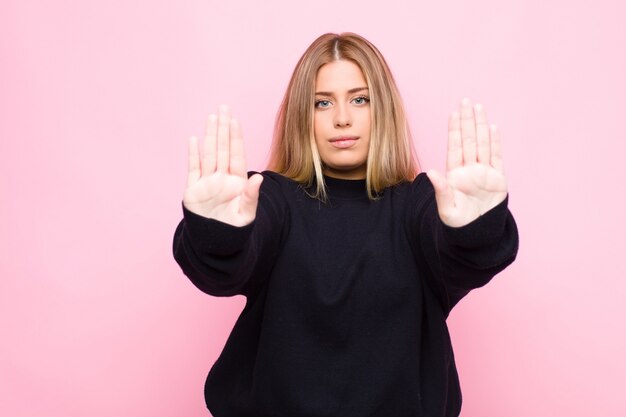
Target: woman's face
column 342, row 119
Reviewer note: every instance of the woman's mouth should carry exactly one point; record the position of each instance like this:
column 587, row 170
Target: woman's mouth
column 343, row 142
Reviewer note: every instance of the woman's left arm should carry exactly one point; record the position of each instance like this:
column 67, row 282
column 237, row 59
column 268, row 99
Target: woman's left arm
column 472, row 234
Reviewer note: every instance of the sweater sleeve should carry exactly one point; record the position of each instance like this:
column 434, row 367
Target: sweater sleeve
column 224, row 260
column 459, row 259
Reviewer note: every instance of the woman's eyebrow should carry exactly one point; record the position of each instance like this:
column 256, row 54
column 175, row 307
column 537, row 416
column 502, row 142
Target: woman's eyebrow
column 351, row 91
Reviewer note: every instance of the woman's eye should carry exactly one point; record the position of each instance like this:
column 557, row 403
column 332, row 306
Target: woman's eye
column 361, row 100
column 322, row 104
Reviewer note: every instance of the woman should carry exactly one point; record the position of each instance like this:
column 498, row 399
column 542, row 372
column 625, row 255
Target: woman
column 349, row 261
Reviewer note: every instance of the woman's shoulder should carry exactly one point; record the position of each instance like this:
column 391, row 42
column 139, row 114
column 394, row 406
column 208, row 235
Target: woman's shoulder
column 274, row 176
column 412, row 197
column 421, row 180
column 275, row 179
column 420, row 185
column 277, row 186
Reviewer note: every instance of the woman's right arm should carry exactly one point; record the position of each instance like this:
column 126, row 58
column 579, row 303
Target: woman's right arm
column 227, row 240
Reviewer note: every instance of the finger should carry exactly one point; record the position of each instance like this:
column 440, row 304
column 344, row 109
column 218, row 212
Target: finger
column 194, row 173
column 250, row 197
column 209, row 151
column 483, row 151
column 443, row 194
column 223, row 139
column 455, row 146
column 237, row 157
column 496, row 149
column 468, row 132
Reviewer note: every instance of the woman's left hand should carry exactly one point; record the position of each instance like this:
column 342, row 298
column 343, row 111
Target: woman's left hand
column 474, row 182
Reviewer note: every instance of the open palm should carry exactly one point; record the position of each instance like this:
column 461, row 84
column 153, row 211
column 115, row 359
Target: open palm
column 218, row 186
column 474, row 181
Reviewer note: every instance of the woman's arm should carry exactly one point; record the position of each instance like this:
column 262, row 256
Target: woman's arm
column 223, row 260
column 229, row 235
column 467, row 234
column 460, row 259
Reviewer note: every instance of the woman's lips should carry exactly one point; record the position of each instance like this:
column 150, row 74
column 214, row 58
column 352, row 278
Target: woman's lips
column 343, row 142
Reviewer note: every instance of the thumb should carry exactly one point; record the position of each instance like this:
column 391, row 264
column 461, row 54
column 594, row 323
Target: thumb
column 443, row 193
column 250, row 196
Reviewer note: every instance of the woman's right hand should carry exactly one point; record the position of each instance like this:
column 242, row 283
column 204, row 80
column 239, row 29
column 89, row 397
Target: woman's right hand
column 218, row 186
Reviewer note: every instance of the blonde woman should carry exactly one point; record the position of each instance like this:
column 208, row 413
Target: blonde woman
column 350, row 259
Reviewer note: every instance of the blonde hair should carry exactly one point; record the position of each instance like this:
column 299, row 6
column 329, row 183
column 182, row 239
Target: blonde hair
column 391, row 158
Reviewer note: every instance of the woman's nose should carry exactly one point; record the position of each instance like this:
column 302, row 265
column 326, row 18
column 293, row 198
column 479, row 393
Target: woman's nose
column 342, row 117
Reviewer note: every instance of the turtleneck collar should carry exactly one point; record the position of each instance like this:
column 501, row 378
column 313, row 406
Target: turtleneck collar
column 345, row 189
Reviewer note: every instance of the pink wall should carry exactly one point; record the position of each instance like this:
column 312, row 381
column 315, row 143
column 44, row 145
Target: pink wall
column 97, row 100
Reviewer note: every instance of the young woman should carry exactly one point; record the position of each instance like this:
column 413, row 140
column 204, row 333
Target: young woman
column 350, row 260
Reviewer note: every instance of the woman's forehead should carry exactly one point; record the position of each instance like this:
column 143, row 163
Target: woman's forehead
column 339, row 76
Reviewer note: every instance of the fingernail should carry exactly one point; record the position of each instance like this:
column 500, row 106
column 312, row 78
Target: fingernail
column 478, row 107
column 465, row 101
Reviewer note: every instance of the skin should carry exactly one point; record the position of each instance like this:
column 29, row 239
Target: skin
column 342, row 109
column 474, row 181
column 218, row 186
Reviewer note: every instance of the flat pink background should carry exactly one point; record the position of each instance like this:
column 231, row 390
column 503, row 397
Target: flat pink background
column 97, row 100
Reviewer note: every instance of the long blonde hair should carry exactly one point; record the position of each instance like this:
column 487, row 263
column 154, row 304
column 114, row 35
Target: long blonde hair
column 391, row 158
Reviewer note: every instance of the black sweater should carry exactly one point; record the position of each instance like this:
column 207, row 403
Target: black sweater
column 346, row 301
